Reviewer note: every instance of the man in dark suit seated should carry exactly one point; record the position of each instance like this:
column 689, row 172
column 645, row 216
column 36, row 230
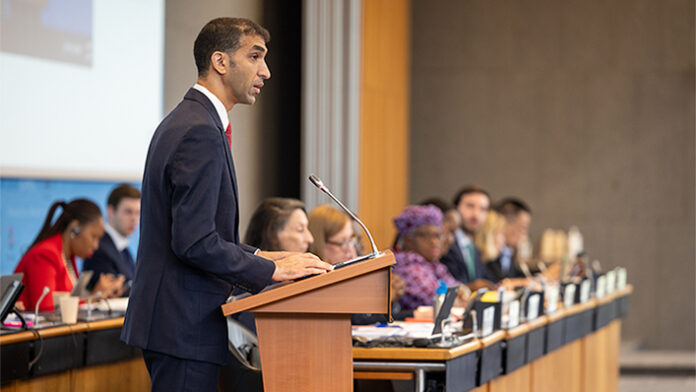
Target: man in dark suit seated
column 189, row 256
column 463, row 259
column 113, row 256
column 517, row 216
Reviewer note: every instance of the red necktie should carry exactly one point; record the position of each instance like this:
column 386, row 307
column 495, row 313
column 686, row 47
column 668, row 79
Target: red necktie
column 228, row 133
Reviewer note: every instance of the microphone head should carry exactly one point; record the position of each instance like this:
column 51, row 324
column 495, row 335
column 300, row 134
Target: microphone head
column 316, row 181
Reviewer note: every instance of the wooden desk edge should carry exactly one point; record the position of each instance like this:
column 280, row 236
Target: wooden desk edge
column 516, row 331
column 61, row 330
column 413, row 353
column 492, row 338
column 555, row 316
column 616, row 295
column 537, row 322
column 578, row 308
column 105, row 324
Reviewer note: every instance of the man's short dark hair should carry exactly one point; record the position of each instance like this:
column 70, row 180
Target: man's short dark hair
column 511, row 207
column 468, row 190
column 224, row 35
column 121, row 192
column 442, row 205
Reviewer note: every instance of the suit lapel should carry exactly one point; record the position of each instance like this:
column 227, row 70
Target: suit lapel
column 122, row 263
column 460, row 261
column 233, row 177
column 203, row 100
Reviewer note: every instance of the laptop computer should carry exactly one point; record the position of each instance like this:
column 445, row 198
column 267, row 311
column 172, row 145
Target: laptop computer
column 80, row 288
column 11, row 287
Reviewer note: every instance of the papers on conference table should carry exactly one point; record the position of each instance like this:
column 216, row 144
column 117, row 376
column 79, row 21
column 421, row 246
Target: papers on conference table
column 396, row 329
column 116, row 305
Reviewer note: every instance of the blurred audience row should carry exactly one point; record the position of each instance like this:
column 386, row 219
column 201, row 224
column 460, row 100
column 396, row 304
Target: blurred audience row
column 469, row 243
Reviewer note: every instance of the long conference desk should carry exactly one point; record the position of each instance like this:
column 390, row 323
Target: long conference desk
column 572, row 350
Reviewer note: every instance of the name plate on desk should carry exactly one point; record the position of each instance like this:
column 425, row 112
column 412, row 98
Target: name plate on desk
column 533, row 307
column 569, row 296
column 552, row 295
column 621, row 278
column 585, row 287
column 611, row 282
column 513, row 314
column 488, row 320
column 601, row 287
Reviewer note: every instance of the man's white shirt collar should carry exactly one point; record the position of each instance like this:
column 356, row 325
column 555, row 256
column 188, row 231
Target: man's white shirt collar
column 217, row 103
column 120, row 241
column 462, row 239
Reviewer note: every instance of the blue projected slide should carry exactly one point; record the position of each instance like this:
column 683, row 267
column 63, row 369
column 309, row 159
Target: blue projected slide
column 24, row 204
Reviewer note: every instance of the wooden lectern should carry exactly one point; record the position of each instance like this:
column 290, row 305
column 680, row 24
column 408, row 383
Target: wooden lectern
column 304, row 326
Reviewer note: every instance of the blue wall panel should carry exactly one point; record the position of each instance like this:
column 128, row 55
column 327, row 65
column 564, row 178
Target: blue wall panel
column 24, row 204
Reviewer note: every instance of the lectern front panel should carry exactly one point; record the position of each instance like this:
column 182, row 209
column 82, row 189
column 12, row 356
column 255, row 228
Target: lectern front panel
column 305, row 352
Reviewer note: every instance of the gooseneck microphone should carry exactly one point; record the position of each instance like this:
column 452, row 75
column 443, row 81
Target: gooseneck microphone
column 319, row 184
column 45, row 291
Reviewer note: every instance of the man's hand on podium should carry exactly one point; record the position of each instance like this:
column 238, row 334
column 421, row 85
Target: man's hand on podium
column 291, row 265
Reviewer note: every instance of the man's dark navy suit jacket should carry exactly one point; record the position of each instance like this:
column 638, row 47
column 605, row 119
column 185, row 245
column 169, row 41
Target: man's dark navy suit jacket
column 189, row 256
column 456, row 264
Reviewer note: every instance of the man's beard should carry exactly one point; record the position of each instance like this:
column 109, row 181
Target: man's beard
column 467, row 231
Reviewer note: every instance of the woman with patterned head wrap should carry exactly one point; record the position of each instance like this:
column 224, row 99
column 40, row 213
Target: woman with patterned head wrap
column 420, row 236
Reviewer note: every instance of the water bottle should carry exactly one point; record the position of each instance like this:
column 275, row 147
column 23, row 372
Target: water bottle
column 439, row 298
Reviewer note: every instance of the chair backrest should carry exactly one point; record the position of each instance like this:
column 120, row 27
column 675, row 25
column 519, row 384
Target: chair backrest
column 243, row 344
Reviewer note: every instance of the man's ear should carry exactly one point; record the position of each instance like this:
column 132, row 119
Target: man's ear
column 219, row 62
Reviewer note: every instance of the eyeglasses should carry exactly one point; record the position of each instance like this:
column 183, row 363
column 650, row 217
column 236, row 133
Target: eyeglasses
column 353, row 241
column 429, row 236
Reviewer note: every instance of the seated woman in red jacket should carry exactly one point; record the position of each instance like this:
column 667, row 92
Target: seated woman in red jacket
column 50, row 260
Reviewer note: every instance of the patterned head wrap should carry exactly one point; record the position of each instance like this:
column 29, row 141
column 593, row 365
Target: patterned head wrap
column 414, row 217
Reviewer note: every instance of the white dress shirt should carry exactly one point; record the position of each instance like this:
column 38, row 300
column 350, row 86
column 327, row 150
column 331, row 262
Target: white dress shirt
column 219, row 107
column 120, row 241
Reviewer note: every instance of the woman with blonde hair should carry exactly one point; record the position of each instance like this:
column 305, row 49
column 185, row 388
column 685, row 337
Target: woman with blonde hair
column 335, row 241
column 334, row 238
column 490, row 239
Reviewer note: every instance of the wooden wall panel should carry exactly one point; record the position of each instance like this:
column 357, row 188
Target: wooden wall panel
column 384, row 119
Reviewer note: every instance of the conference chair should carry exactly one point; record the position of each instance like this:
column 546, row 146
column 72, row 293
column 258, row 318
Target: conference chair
column 243, row 371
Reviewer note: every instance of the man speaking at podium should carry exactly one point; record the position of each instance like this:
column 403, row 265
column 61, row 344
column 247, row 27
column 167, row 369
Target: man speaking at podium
column 189, row 256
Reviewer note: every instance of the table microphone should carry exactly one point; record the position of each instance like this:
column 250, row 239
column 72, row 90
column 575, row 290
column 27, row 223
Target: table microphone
column 319, row 184
column 525, row 270
column 542, row 267
column 45, row 291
